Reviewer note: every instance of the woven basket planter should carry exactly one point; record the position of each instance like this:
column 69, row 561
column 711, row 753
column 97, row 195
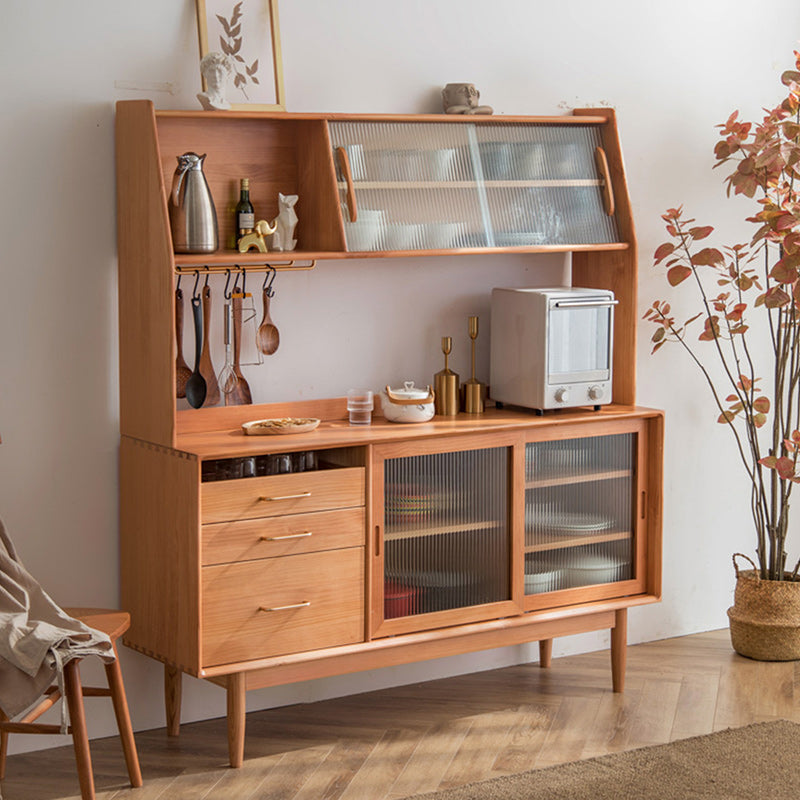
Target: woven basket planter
column 765, row 616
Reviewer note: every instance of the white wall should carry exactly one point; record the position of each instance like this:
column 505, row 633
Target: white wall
column 671, row 70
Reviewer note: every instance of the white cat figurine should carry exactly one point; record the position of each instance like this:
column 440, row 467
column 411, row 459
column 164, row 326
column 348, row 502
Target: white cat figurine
column 285, row 223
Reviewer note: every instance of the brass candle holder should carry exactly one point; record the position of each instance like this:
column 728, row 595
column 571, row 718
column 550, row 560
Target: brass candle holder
column 474, row 390
column 446, row 385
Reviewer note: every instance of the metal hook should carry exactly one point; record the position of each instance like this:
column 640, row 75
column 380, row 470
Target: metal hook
column 195, row 293
column 208, row 273
column 235, row 289
column 269, row 277
column 178, row 285
column 225, row 291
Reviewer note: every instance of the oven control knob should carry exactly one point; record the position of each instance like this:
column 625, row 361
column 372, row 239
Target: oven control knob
column 595, row 392
column 561, row 394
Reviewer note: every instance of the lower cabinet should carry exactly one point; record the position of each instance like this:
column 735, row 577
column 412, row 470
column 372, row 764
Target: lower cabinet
column 407, row 546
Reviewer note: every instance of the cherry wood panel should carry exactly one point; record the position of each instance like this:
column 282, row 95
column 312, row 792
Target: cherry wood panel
column 276, row 495
column 160, row 551
column 617, row 271
column 212, row 436
column 146, row 300
column 287, row 535
column 257, row 609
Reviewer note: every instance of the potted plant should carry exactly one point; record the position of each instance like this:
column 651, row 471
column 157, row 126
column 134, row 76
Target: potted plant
column 747, row 291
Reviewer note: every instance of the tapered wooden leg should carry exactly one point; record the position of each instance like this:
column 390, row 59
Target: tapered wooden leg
column 237, row 707
column 619, row 649
column 3, row 746
column 114, row 676
column 80, row 736
column 545, row 652
column 173, row 684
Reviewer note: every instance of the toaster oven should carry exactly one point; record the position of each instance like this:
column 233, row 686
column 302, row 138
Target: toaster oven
column 551, row 348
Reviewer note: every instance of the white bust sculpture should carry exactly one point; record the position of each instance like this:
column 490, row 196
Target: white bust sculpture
column 216, row 70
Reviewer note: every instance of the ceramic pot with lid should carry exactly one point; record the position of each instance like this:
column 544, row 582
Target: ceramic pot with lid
column 408, row 404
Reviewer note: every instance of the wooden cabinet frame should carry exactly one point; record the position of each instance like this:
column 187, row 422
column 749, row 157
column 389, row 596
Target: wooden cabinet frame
column 165, row 541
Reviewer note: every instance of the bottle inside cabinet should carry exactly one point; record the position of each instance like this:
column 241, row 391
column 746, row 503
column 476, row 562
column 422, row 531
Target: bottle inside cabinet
column 226, row 469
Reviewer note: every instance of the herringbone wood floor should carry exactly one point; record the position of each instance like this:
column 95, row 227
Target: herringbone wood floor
column 393, row 743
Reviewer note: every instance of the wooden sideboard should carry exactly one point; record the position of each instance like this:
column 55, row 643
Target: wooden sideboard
column 254, row 561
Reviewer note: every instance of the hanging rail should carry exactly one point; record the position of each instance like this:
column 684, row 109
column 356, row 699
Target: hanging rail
column 211, row 269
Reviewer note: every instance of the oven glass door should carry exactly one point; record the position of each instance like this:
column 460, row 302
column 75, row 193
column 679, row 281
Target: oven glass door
column 579, row 341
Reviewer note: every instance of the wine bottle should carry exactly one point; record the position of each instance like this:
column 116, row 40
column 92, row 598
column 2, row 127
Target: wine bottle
column 245, row 215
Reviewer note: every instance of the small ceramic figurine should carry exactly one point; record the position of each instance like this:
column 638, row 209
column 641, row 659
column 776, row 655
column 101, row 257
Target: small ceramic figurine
column 285, row 223
column 258, row 238
column 462, row 98
column 216, row 69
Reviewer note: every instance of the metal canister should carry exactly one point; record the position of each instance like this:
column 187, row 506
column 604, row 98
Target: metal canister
column 192, row 215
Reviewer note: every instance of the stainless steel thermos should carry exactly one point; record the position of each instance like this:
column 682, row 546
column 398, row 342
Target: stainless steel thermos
column 192, row 215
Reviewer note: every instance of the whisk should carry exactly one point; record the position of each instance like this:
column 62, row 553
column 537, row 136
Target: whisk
column 228, row 379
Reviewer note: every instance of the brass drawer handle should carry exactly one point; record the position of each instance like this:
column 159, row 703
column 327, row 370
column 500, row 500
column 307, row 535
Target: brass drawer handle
column 286, row 608
column 288, row 536
column 284, row 497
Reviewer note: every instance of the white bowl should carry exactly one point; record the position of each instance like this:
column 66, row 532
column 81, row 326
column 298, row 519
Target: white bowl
column 441, row 235
column 402, row 236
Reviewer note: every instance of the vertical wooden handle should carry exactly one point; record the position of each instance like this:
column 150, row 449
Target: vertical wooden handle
column 608, row 190
column 344, row 163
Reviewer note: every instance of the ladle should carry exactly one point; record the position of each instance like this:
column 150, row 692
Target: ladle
column 196, row 385
column 182, row 371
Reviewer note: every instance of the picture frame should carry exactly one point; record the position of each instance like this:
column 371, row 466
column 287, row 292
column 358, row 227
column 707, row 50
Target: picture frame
column 247, row 31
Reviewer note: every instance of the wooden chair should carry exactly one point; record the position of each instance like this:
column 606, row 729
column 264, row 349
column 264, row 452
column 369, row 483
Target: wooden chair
column 113, row 623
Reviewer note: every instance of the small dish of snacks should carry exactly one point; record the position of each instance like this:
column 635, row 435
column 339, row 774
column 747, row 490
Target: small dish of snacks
column 270, row 427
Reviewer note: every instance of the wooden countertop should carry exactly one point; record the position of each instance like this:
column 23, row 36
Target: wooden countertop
column 217, row 433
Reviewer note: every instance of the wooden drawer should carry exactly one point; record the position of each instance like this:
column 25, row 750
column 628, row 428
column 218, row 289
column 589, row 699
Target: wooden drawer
column 317, row 601
column 247, row 540
column 274, row 495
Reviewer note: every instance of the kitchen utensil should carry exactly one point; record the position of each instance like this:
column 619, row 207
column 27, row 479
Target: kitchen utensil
column 267, row 337
column 473, row 388
column 445, row 384
column 227, row 377
column 408, row 404
column 196, row 385
column 206, row 367
column 192, row 215
column 240, row 395
column 182, row 371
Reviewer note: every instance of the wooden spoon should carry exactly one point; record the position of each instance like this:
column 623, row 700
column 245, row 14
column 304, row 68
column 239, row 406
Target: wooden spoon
column 206, row 367
column 267, row 337
column 240, row 396
column 182, row 371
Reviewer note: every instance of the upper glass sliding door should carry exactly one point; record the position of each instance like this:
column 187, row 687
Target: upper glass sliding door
column 408, row 186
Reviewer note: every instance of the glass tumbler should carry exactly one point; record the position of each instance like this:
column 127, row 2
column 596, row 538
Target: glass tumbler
column 359, row 406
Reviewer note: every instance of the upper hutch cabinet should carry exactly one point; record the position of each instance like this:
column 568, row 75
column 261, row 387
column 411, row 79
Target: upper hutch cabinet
column 427, row 186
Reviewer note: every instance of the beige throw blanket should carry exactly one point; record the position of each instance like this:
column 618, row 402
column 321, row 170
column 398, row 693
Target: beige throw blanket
column 36, row 637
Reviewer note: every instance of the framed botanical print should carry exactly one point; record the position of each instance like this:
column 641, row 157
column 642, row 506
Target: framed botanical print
column 247, row 33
